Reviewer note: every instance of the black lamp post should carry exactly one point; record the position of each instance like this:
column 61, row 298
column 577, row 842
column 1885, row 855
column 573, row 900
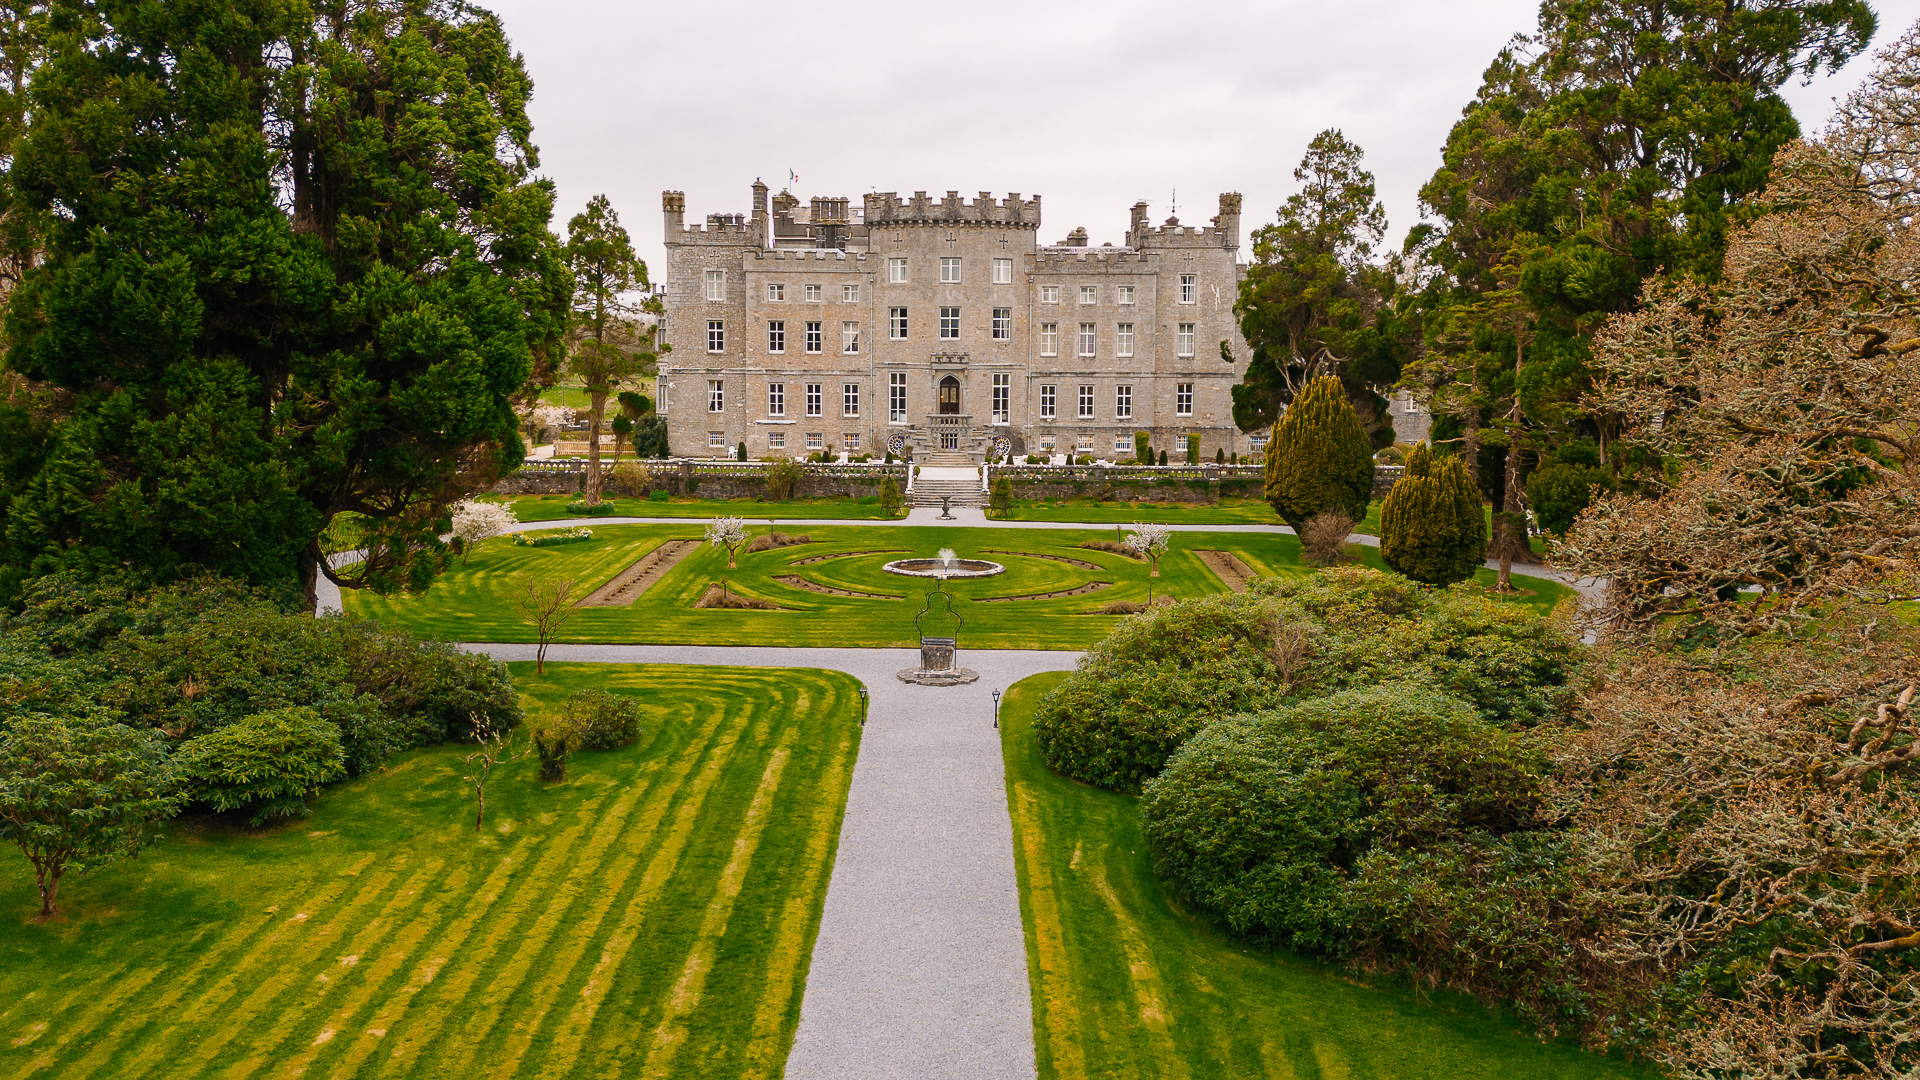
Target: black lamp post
column 863, row 706
column 996, row 710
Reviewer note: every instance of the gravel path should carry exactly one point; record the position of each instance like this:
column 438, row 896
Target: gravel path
column 920, row 969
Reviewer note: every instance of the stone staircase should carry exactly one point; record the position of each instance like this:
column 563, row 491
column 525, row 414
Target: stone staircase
column 951, row 474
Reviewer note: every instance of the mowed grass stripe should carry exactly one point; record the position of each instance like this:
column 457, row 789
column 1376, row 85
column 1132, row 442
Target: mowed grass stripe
column 1055, row 1012
column 671, row 1034
column 418, row 1031
column 792, row 951
column 369, row 979
column 167, row 1017
column 165, row 966
column 1147, row 993
column 586, row 930
column 279, row 977
column 665, row 859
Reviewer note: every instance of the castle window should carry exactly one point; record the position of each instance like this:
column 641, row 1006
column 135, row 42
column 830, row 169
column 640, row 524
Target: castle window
column 776, row 399
column 1002, row 323
column 1049, row 339
column 1185, row 339
column 777, row 336
column 776, row 292
column 949, row 323
column 1189, row 289
column 1003, row 271
column 716, row 440
column 949, row 270
column 1048, row 442
column 850, row 399
column 716, row 284
column 897, row 323
column 1046, row 401
column 1183, row 399
column 716, row 395
column 816, row 440
column 1086, row 339
column 1123, row 402
column 776, row 440
column 896, row 270
column 850, row 294
column 716, row 336
column 897, row 397
column 1086, row 404
column 1126, row 294
column 1122, row 444
column 1049, row 294
column 850, row 441
column 1002, row 391
column 1123, row 339
column 1089, row 294
column 813, row 337
column 849, row 337
column 813, row 402
column 1083, row 443
column 813, row 293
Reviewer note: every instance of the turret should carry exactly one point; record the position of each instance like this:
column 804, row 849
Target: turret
column 674, row 204
column 1228, row 223
column 760, row 223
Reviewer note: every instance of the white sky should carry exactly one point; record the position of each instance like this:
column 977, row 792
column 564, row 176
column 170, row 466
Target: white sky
column 1093, row 106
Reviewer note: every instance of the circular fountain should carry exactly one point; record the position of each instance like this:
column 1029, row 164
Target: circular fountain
column 945, row 566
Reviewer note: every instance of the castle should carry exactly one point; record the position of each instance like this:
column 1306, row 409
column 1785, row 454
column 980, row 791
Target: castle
column 944, row 325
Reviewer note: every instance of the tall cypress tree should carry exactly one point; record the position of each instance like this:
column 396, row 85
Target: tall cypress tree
column 1432, row 528
column 1320, row 458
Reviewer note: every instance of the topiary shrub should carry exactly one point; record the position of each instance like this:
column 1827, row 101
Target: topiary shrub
column 1432, row 528
column 1142, row 448
column 269, row 763
column 1320, row 457
column 1266, row 821
column 554, row 739
column 890, row 499
column 1144, row 690
column 1002, row 495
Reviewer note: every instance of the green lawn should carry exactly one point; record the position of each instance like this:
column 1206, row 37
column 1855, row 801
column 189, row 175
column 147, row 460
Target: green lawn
column 574, row 397
column 1125, row 984
column 652, row 915
column 1228, row 512
column 473, row 601
column 554, row 508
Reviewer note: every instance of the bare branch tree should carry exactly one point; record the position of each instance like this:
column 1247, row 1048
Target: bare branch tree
column 546, row 605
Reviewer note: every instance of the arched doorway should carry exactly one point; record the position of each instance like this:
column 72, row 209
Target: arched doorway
column 949, row 396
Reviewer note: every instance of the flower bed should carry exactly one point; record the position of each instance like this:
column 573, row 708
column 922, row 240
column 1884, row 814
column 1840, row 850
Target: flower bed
column 548, row 539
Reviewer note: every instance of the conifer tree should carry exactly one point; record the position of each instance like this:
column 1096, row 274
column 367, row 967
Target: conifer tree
column 1431, row 525
column 1320, row 458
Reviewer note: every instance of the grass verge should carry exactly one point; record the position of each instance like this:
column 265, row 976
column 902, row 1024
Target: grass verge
column 554, row 508
column 1125, row 984
column 652, row 915
column 474, row 600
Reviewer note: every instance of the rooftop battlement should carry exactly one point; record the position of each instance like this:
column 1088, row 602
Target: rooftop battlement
column 887, row 208
column 1224, row 232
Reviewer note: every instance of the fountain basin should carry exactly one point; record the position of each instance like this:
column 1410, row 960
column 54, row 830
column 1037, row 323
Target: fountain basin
column 935, row 568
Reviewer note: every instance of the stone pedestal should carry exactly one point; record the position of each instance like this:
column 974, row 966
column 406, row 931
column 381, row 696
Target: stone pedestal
column 938, row 665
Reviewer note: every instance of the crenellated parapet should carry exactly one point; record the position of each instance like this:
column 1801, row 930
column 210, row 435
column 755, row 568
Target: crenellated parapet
column 1223, row 233
column 887, row 208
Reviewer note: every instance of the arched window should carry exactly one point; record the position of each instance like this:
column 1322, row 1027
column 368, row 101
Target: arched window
column 950, row 396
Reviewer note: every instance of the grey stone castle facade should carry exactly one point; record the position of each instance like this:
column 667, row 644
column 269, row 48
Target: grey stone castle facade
column 943, row 324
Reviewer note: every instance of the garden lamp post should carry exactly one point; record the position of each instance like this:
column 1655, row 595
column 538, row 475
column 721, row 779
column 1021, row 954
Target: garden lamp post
column 996, row 710
column 863, row 706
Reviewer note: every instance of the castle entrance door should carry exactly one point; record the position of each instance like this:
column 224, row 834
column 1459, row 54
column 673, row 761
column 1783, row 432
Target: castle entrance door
column 949, row 396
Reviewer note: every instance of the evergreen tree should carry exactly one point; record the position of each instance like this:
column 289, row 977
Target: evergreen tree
column 1432, row 528
column 1320, row 458
column 1314, row 303
column 293, row 264
column 608, row 344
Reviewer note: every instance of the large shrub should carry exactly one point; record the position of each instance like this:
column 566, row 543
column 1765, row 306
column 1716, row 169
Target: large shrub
column 1432, row 528
column 1161, row 676
column 1266, row 820
column 601, row 720
column 269, row 763
column 1560, row 491
column 1320, row 458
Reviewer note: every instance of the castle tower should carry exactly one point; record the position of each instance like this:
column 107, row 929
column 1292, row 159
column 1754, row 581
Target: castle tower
column 674, row 204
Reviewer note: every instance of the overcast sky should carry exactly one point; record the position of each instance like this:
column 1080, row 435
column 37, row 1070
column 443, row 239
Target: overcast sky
column 1093, row 106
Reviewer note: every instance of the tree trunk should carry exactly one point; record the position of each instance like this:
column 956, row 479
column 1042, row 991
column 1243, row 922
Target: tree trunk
column 49, row 881
column 540, row 658
column 598, row 399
